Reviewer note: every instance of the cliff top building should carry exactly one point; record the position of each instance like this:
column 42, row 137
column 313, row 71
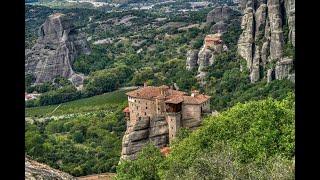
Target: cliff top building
column 175, row 106
column 212, row 39
column 155, row 114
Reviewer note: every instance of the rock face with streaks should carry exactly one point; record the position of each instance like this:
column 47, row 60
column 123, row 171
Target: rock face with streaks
column 262, row 41
column 192, row 58
column 142, row 132
column 221, row 16
column 39, row 171
column 221, row 13
column 58, row 44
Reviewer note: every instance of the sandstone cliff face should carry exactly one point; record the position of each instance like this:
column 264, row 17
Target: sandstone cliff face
column 221, row 13
column 262, row 38
column 142, row 132
column 38, row 171
column 192, row 58
column 59, row 43
column 290, row 12
column 220, row 16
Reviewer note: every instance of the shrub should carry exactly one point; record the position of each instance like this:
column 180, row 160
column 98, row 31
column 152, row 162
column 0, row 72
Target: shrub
column 145, row 167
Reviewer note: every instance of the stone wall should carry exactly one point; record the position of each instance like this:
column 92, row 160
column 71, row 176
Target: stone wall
column 141, row 108
column 174, row 124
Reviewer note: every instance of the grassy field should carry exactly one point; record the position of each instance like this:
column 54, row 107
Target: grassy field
column 95, row 103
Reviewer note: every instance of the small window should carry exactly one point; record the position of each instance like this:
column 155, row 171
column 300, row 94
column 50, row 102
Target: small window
column 146, row 107
column 135, row 100
column 145, row 113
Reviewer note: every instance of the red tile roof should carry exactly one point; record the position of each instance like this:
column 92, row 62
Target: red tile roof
column 151, row 92
column 174, row 99
column 126, row 110
column 169, row 95
column 198, row 99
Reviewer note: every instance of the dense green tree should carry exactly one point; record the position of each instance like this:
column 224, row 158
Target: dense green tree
column 254, row 131
column 145, row 167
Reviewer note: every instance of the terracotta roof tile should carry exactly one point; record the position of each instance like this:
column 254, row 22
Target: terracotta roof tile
column 151, row 92
column 198, row 99
column 170, row 95
column 126, row 110
column 174, row 99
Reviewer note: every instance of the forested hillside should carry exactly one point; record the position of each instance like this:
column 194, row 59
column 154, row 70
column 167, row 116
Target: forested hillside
column 79, row 130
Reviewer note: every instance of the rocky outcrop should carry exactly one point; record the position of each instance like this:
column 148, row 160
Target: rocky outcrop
column 206, row 58
column 58, row 44
column 221, row 16
column 212, row 46
column 284, row 68
column 38, row 171
column 290, row 12
column 192, row 58
column 262, row 38
column 219, row 27
column 246, row 39
column 144, row 131
column 221, row 13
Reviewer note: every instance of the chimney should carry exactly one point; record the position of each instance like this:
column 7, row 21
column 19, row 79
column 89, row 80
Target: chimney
column 194, row 93
column 145, row 84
